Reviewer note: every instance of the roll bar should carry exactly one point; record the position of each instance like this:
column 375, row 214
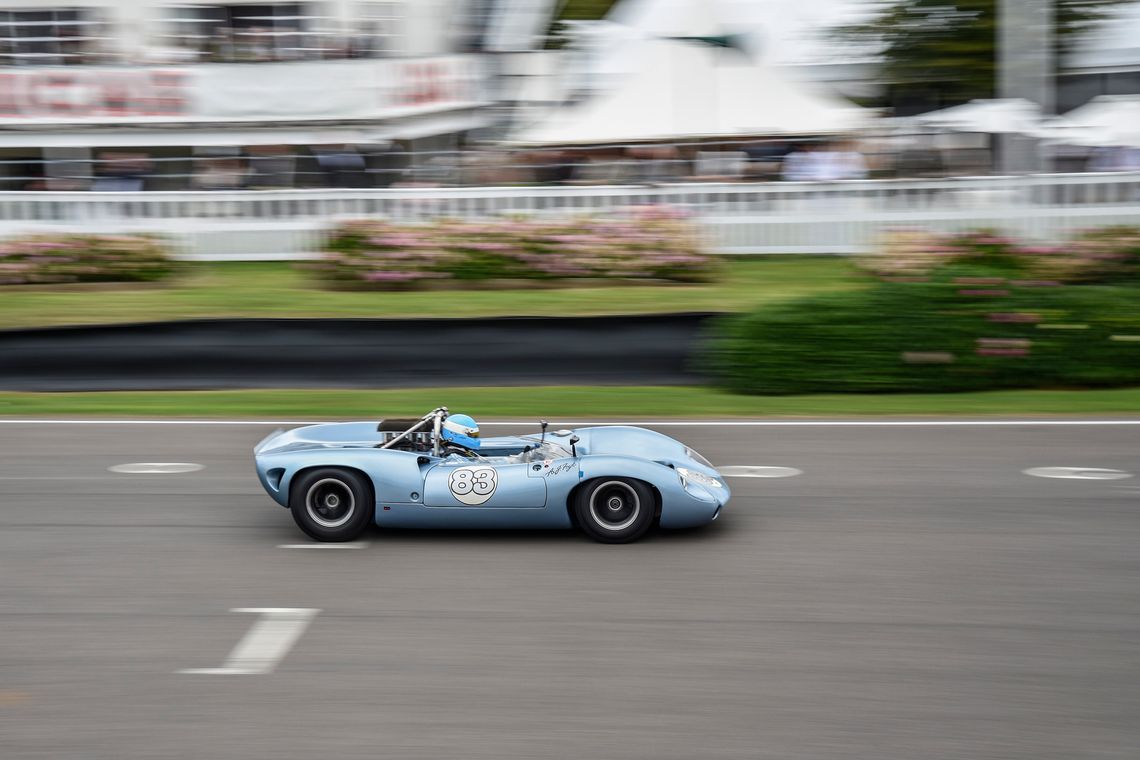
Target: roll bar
column 435, row 417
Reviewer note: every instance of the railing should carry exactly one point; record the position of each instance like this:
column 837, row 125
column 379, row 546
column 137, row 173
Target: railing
column 840, row 217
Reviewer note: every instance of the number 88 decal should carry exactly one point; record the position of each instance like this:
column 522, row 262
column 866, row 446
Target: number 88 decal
column 473, row 485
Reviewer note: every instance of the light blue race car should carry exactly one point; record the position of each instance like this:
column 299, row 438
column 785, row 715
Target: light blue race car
column 613, row 483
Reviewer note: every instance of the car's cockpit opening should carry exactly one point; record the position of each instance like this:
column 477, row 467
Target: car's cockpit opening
column 422, row 436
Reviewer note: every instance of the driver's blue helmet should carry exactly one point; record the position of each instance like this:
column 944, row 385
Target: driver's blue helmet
column 460, row 430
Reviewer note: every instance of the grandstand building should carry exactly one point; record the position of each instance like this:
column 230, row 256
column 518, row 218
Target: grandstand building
column 152, row 95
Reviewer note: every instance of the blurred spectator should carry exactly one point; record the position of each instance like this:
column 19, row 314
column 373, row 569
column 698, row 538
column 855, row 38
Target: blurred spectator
column 391, row 165
column 764, row 160
column 220, row 45
column 342, row 166
column 1117, row 158
column 718, row 165
column 656, row 163
column 850, row 162
column 73, row 48
column 260, row 44
column 270, row 166
column 120, row 171
column 797, row 166
column 364, row 43
column 920, row 159
column 223, row 169
column 819, row 163
column 289, row 44
column 553, row 166
column 826, row 165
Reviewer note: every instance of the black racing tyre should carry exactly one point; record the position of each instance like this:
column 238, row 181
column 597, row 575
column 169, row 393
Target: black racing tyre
column 614, row 510
column 331, row 504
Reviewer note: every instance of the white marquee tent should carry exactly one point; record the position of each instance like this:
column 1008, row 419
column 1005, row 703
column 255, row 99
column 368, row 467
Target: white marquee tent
column 1106, row 120
column 996, row 116
column 679, row 89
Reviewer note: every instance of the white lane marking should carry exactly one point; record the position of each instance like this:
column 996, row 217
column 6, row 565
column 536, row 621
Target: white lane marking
column 644, row 423
column 269, row 640
column 156, row 468
column 1077, row 473
column 317, row 545
column 757, row 471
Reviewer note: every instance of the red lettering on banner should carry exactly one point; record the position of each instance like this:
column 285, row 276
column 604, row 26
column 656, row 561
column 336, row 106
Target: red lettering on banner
column 121, row 94
column 116, row 97
column 92, row 93
column 427, row 82
column 170, row 87
column 7, row 95
column 49, row 92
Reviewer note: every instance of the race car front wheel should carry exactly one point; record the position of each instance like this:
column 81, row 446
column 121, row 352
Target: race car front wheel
column 331, row 504
column 614, row 510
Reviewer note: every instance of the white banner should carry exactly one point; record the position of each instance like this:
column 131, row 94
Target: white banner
column 374, row 89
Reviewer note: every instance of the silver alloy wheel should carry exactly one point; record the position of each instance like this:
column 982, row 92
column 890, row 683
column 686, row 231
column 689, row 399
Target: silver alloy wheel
column 330, row 503
column 619, row 505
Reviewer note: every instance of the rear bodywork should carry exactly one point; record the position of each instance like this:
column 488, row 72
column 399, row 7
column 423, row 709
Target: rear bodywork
column 513, row 488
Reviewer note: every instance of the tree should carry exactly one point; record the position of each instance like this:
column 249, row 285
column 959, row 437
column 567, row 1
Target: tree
column 942, row 52
column 572, row 11
column 583, row 10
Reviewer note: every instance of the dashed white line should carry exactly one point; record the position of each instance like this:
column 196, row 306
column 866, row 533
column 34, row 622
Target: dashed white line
column 316, row 545
column 1077, row 473
column 757, row 471
column 266, row 643
column 156, row 468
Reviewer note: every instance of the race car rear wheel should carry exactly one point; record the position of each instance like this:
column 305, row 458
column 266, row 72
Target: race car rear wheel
column 331, row 504
column 614, row 510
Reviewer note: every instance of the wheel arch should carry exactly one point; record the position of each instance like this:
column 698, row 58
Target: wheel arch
column 300, row 472
column 573, row 494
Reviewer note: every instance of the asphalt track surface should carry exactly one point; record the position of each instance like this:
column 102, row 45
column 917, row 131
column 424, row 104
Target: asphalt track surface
column 912, row 594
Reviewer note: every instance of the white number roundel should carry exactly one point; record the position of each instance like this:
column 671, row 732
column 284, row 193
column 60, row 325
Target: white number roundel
column 473, row 485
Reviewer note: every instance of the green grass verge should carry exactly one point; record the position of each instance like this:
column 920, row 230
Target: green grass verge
column 554, row 402
column 278, row 289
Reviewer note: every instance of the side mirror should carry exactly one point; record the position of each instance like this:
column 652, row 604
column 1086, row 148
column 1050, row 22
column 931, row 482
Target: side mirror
column 544, row 425
column 573, row 443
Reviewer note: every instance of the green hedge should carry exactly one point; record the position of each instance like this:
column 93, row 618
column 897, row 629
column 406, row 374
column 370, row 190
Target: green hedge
column 968, row 313
column 62, row 259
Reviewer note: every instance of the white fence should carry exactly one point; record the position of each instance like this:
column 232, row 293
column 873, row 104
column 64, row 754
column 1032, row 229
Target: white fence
column 841, row 217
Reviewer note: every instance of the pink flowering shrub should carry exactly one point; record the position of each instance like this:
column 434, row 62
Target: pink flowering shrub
column 60, row 259
column 909, row 252
column 917, row 253
column 985, row 257
column 1101, row 255
column 647, row 243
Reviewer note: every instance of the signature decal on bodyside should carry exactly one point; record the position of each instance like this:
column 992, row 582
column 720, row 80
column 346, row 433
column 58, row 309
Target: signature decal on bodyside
column 473, row 485
column 564, row 467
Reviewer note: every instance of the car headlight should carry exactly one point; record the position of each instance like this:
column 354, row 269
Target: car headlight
column 699, row 477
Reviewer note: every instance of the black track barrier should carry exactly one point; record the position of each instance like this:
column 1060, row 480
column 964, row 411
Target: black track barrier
column 357, row 353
